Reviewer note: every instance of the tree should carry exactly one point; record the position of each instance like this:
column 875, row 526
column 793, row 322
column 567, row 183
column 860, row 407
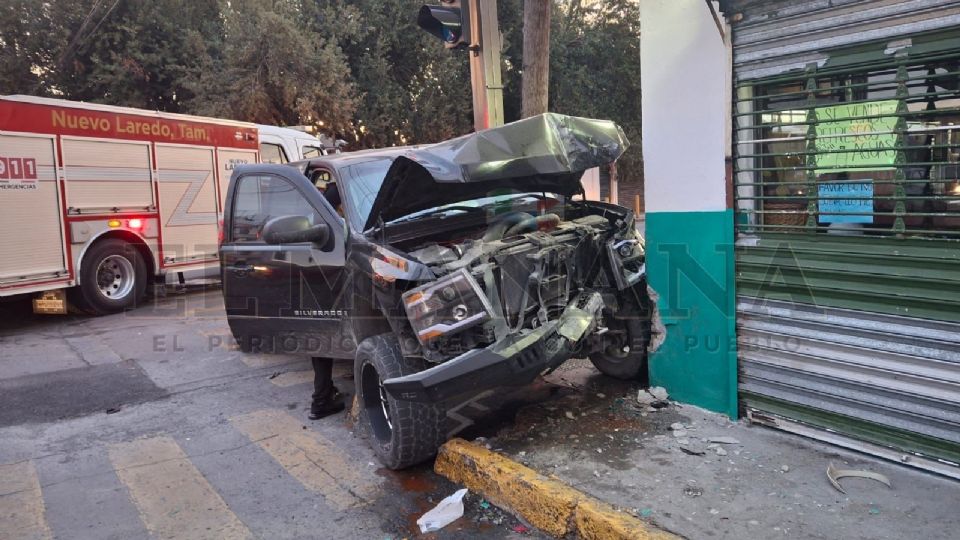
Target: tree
column 137, row 53
column 275, row 69
column 359, row 68
column 414, row 90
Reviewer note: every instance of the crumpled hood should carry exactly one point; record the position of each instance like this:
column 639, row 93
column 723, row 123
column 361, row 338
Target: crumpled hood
column 548, row 152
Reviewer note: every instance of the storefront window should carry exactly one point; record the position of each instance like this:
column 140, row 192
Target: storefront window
column 870, row 150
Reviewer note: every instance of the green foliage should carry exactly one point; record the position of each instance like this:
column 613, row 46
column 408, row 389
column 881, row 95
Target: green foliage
column 360, row 68
column 275, row 69
column 138, row 53
column 414, row 89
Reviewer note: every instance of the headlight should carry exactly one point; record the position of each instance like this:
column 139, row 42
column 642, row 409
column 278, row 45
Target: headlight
column 446, row 306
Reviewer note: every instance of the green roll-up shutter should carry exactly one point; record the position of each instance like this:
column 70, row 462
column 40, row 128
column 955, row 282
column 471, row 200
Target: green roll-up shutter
column 848, row 245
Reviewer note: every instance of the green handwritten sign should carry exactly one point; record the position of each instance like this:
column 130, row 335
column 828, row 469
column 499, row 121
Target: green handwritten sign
column 867, row 143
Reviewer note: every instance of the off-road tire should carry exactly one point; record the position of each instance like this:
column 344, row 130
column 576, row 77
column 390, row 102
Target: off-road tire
column 628, row 368
column 415, row 430
column 87, row 296
column 633, row 364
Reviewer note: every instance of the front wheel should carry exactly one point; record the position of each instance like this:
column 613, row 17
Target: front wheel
column 113, row 277
column 621, row 365
column 624, row 352
column 403, row 433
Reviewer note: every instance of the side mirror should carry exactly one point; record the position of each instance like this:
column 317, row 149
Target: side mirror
column 295, row 229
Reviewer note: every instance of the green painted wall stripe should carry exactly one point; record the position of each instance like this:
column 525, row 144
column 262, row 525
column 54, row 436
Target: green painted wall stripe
column 690, row 265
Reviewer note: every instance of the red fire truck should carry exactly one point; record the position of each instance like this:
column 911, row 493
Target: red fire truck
column 105, row 201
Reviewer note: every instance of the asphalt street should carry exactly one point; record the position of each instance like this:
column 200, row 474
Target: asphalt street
column 152, row 424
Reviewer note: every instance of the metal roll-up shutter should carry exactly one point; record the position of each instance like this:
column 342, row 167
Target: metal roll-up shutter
column 776, row 36
column 847, row 189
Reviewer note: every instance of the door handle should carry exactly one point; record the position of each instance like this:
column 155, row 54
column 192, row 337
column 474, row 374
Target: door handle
column 240, row 269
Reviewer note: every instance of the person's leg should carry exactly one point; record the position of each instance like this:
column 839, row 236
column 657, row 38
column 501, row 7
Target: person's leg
column 326, row 399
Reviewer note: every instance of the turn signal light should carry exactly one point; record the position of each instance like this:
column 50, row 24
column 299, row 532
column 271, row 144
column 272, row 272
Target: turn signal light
column 114, row 223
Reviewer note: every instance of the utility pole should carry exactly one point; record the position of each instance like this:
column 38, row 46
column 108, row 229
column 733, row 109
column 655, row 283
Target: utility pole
column 536, row 56
column 485, row 77
column 472, row 25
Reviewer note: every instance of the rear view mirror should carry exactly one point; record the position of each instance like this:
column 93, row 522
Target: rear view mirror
column 295, row 229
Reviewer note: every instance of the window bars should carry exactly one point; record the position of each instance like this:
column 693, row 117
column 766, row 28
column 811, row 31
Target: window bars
column 868, row 147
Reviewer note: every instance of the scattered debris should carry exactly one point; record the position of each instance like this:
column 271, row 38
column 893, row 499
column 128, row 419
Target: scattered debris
column 834, row 475
column 522, row 529
column 690, row 452
column 446, row 512
column 652, row 399
column 874, row 510
column 723, row 440
column 646, row 512
column 714, row 511
column 601, row 395
column 570, row 415
column 274, row 375
column 112, row 410
column 720, row 451
column 691, row 491
column 784, row 469
column 485, row 505
column 679, row 430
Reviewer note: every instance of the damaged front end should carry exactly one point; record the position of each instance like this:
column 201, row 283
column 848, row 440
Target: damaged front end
column 516, row 359
column 515, row 274
column 502, row 311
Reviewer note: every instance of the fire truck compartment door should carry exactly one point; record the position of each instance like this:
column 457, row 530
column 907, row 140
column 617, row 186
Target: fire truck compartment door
column 107, row 176
column 188, row 203
column 31, row 224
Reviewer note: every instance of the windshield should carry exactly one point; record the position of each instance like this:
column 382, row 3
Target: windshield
column 363, row 185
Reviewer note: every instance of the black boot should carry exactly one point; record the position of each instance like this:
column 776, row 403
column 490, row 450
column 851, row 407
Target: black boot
column 331, row 404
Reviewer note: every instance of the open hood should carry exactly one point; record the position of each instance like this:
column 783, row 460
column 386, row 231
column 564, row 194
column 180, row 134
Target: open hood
column 548, row 152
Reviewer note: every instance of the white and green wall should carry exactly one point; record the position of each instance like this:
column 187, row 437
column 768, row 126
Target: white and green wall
column 689, row 223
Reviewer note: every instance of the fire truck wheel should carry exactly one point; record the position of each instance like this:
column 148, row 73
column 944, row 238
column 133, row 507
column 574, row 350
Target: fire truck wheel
column 113, row 277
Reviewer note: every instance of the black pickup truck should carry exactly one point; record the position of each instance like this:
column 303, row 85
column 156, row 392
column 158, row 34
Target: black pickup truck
column 446, row 269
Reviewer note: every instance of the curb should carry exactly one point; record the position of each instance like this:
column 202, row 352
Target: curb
column 546, row 503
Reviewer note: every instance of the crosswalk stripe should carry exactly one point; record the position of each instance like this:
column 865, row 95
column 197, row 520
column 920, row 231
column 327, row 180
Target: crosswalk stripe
column 291, row 378
column 173, row 497
column 310, row 458
column 22, row 512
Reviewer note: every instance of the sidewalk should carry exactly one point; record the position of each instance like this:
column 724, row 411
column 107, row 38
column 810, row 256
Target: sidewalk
column 595, row 436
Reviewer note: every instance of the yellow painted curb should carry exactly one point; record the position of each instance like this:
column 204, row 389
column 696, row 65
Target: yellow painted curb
column 546, row 503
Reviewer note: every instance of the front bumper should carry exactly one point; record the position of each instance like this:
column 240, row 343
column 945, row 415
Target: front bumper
column 514, row 360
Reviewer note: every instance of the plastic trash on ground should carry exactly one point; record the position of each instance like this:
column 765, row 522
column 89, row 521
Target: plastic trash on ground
column 443, row 514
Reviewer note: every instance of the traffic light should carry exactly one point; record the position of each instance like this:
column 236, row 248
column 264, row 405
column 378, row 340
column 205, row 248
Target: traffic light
column 450, row 22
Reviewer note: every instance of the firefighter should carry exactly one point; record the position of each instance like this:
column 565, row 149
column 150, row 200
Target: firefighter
column 327, row 399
